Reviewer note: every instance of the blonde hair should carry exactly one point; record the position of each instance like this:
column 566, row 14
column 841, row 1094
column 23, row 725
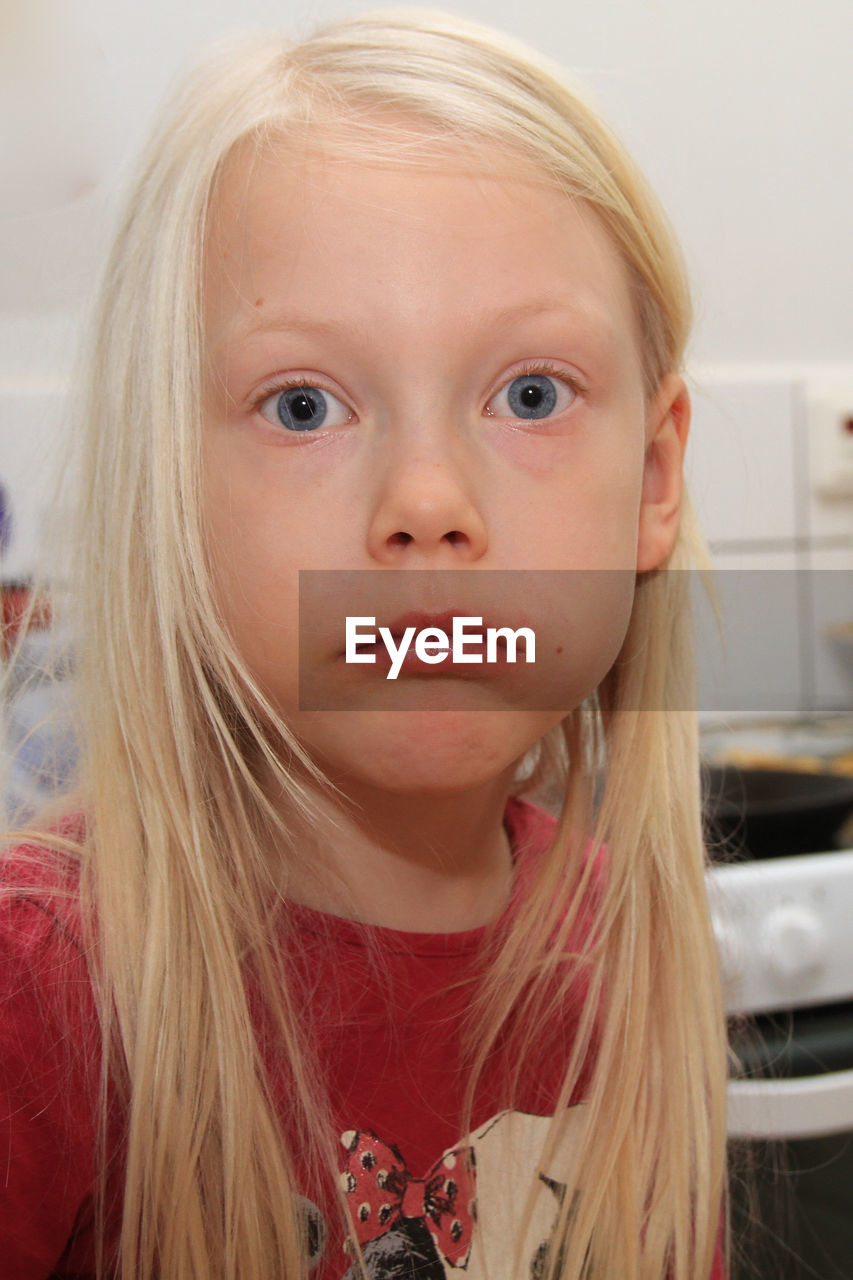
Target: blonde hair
column 175, row 869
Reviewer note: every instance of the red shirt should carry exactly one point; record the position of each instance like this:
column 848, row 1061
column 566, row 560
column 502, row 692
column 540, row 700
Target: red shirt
column 383, row 1010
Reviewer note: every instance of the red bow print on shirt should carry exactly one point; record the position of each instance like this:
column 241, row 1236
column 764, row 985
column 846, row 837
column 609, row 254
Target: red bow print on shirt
column 380, row 1190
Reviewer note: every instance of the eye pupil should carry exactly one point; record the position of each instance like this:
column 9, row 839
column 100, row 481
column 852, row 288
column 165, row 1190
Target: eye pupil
column 532, row 396
column 301, row 408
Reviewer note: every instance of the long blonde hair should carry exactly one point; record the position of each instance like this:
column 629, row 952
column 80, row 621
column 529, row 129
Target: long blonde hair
column 175, row 870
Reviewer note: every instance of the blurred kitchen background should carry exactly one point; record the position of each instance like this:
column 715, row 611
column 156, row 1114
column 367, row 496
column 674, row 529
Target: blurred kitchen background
column 740, row 112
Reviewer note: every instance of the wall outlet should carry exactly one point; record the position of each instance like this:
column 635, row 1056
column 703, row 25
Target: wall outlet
column 831, row 432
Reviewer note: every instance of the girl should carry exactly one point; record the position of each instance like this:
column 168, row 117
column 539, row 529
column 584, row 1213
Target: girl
column 304, row 983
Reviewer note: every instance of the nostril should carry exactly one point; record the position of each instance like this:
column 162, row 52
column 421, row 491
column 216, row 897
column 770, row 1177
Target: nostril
column 400, row 539
column 454, row 536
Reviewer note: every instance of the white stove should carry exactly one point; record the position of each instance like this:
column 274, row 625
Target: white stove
column 784, row 928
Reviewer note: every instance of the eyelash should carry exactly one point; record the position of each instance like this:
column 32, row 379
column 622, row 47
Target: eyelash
column 289, row 384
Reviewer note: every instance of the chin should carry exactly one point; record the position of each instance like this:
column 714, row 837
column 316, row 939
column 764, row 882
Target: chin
column 426, row 753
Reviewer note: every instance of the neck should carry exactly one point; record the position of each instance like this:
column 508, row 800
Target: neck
column 419, row 862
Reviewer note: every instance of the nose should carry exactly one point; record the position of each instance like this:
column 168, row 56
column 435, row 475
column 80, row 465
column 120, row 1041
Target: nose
column 425, row 511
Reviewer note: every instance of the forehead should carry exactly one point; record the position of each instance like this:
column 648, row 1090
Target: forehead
column 420, row 234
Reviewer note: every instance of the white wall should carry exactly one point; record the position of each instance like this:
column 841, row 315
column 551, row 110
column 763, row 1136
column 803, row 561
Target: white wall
column 740, row 111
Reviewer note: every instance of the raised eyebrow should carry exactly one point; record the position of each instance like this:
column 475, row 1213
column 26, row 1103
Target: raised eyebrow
column 584, row 317
column 311, row 325
column 540, row 307
column 592, row 318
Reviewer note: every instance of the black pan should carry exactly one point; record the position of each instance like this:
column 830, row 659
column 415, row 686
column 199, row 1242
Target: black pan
column 769, row 813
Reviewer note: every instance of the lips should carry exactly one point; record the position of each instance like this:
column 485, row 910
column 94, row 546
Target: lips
column 441, row 621
column 474, row 645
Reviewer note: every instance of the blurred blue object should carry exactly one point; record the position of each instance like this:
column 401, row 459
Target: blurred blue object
column 5, row 519
column 41, row 744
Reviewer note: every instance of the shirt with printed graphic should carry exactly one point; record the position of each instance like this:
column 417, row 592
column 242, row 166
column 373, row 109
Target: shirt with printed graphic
column 385, row 1016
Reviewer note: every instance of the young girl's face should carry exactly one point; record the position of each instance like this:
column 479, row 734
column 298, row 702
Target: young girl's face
column 424, row 368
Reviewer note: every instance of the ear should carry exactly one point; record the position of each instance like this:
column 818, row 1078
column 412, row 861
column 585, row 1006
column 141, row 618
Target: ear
column 667, row 426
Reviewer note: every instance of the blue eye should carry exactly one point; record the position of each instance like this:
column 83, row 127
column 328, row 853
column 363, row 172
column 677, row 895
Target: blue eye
column 532, row 396
column 304, row 409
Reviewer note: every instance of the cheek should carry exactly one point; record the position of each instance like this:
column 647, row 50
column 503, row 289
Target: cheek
column 258, row 606
column 584, row 620
column 254, row 570
column 589, row 524
column 573, row 501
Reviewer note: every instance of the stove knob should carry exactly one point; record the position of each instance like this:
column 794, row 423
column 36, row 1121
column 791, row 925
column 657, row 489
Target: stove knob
column 793, row 942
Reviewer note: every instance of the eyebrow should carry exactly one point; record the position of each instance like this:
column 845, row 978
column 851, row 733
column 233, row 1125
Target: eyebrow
column 588, row 315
